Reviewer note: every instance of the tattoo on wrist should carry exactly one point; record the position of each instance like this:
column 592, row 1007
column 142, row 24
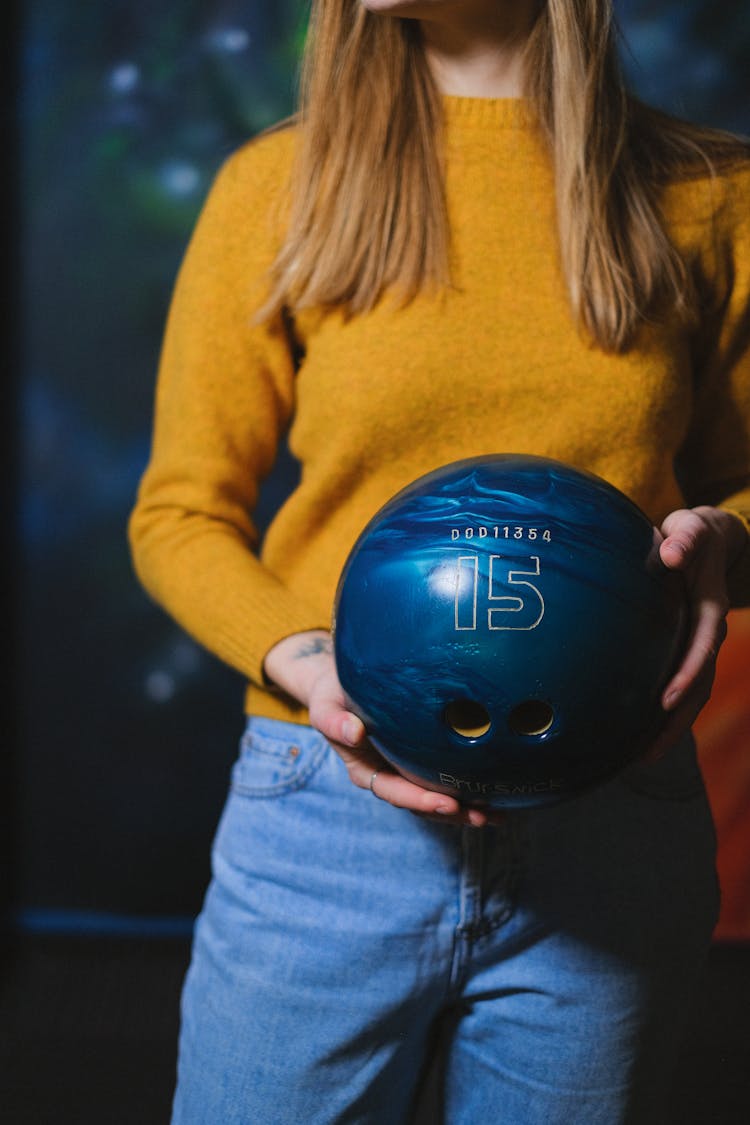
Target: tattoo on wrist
column 315, row 646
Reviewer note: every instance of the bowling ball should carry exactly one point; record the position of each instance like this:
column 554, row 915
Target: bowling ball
column 504, row 628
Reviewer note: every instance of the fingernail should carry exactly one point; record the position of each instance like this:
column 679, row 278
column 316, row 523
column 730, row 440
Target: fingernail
column 351, row 730
column 444, row 810
column 671, row 699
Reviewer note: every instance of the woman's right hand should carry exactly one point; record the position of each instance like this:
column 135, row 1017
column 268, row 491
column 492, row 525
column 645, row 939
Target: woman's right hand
column 303, row 666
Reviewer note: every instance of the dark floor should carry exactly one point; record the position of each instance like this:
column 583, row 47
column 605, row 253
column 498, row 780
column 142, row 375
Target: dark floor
column 87, row 1033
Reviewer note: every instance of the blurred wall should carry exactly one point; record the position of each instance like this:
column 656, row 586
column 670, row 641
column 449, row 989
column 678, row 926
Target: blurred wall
column 125, row 729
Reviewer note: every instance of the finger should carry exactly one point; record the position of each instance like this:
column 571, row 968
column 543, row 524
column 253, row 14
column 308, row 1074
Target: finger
column 347, row 734
column 367, row 771
column 329, row 715
column 404, row 794
column 681, row 719
column 685, row 534
column 467, row 817
column 708, row 635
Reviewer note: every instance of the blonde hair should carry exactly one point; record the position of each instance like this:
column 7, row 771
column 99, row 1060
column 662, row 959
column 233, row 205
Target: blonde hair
column 368, row 211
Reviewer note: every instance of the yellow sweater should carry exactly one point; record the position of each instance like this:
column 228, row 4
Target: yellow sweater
column 492, row 365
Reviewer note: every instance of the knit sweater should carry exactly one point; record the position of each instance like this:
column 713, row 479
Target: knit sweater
column 493, row 363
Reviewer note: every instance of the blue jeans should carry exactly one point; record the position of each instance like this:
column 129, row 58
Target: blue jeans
column 341, row 940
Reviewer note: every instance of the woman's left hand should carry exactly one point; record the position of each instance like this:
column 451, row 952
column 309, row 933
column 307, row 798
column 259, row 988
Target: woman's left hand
column 700, row 542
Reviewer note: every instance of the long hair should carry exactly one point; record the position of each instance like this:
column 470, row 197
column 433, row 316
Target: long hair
column 368, row 211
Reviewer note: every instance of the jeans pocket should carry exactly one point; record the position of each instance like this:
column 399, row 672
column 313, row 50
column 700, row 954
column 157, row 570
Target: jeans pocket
column 276, row 758
column 675, row 777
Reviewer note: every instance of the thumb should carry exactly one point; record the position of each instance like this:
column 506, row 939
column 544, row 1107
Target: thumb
column 684, row 532
column 329, row 715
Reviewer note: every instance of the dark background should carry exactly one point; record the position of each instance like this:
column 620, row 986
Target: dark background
column 122, row 729
column 119, row 731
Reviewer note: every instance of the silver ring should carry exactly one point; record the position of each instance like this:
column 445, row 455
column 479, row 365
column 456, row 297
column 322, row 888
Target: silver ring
column 372, row 783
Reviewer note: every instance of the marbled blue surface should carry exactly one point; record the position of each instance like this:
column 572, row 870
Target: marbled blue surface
column 509, row 582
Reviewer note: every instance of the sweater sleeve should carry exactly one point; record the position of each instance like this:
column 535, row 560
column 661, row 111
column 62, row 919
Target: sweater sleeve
column 225, row 394
column 715, row 461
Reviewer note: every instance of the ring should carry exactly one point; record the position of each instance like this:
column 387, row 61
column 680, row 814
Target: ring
column 372, row 783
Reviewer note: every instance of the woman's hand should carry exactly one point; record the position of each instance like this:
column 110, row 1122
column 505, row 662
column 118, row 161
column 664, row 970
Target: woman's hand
column 303, row 666
column 702, row 543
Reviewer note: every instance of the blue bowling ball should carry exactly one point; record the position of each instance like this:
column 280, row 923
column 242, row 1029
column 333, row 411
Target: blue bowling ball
column 504, row 627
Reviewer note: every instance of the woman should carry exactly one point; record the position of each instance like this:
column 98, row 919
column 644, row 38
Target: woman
column 472, row 241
